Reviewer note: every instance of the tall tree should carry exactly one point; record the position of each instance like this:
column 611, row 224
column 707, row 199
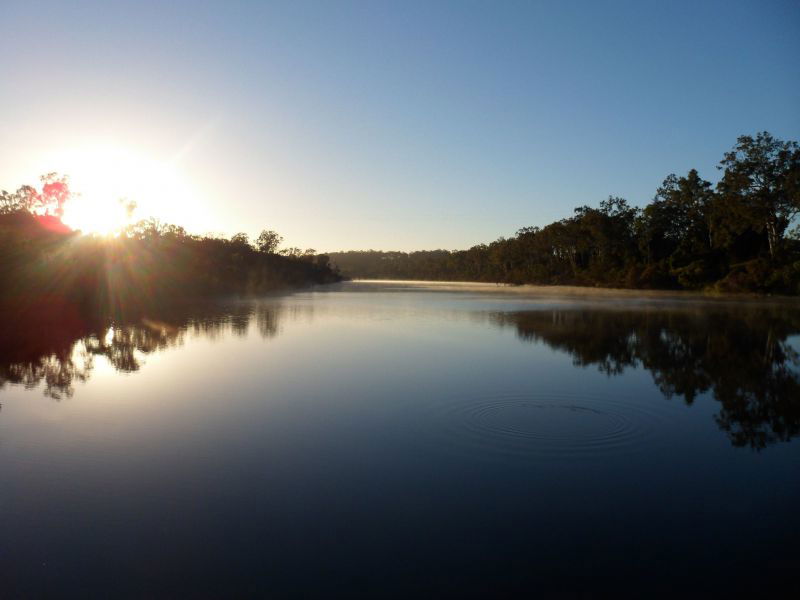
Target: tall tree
column 676, row 222
column 268, row 241
column 761, row 185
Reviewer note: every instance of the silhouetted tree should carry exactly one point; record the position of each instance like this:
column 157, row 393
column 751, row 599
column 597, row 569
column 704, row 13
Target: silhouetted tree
column 268, row 241
column 240, row 239
column 49, row 202
column 760, row 188
column 690, row 236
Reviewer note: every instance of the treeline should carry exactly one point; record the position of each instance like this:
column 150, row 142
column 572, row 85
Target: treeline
column 738, row 236
column 149, row 263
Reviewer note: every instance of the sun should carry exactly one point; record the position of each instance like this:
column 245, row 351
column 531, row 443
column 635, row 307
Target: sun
column 107, row 179
column 90, row 215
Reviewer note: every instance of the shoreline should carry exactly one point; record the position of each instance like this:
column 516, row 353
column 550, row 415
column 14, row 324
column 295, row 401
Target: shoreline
column 573, row 291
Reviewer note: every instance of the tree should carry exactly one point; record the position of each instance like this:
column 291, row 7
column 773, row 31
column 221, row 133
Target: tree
column 49, row 202
column 55, row 194
column 128, row 205
column 761, row 185
column 240, row 239
column 675, row 224
column 8, row 202
column 268, row 241
column 293, row 252
column 153, row 228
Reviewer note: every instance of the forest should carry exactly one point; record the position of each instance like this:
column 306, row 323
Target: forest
column 740, row 235
column 44, row 264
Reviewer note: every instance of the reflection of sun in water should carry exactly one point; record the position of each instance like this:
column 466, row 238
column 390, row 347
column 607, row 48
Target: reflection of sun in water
column 103, row 178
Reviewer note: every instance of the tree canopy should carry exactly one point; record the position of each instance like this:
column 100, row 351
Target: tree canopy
column 735, row 236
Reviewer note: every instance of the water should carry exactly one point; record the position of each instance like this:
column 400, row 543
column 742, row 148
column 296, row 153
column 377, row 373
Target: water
column 376, row 439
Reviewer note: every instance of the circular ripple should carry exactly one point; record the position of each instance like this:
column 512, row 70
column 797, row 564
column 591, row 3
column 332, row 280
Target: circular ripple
column 543, row 424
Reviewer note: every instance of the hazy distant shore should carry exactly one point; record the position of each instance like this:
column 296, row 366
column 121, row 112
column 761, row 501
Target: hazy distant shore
column 583, row 291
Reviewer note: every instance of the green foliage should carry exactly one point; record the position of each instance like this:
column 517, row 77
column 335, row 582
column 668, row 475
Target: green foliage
column 760, row 189
column 691, row 236
column 740, row 236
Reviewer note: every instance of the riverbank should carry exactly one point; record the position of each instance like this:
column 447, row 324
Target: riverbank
column 574, row 291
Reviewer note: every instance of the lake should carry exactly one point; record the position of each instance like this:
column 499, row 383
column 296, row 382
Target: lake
column 404, row 439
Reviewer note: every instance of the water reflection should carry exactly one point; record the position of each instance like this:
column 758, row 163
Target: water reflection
column 44, row 349
column 742, row 356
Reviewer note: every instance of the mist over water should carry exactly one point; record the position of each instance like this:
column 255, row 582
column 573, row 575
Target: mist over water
column 404, row 438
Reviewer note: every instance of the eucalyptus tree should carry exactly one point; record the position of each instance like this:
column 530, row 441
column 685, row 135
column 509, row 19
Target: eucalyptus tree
column 674, row 229
column 760, row 187
column 268, row 241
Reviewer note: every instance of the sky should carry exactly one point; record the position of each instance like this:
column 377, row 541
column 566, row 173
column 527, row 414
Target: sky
column 387, row 125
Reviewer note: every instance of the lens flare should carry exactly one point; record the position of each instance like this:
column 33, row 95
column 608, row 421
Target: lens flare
column 108, row 180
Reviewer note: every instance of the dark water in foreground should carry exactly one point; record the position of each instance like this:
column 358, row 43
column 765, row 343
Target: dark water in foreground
column 393, row 439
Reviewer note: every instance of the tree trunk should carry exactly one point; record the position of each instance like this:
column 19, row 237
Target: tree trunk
column 772, row 236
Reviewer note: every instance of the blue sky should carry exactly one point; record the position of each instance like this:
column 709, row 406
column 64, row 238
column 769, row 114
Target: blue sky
column 404, row 125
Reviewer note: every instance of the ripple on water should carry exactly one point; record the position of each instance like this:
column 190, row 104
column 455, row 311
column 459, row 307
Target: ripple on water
column 544, row 424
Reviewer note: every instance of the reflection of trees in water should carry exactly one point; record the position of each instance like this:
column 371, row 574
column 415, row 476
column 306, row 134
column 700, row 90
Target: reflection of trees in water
column 57, row 354
column 57, row 370
column 740, row 355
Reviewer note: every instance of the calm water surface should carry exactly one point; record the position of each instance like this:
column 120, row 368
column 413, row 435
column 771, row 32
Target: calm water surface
column 373, row 439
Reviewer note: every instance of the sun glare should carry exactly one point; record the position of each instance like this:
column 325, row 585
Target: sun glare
column 105, row 178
